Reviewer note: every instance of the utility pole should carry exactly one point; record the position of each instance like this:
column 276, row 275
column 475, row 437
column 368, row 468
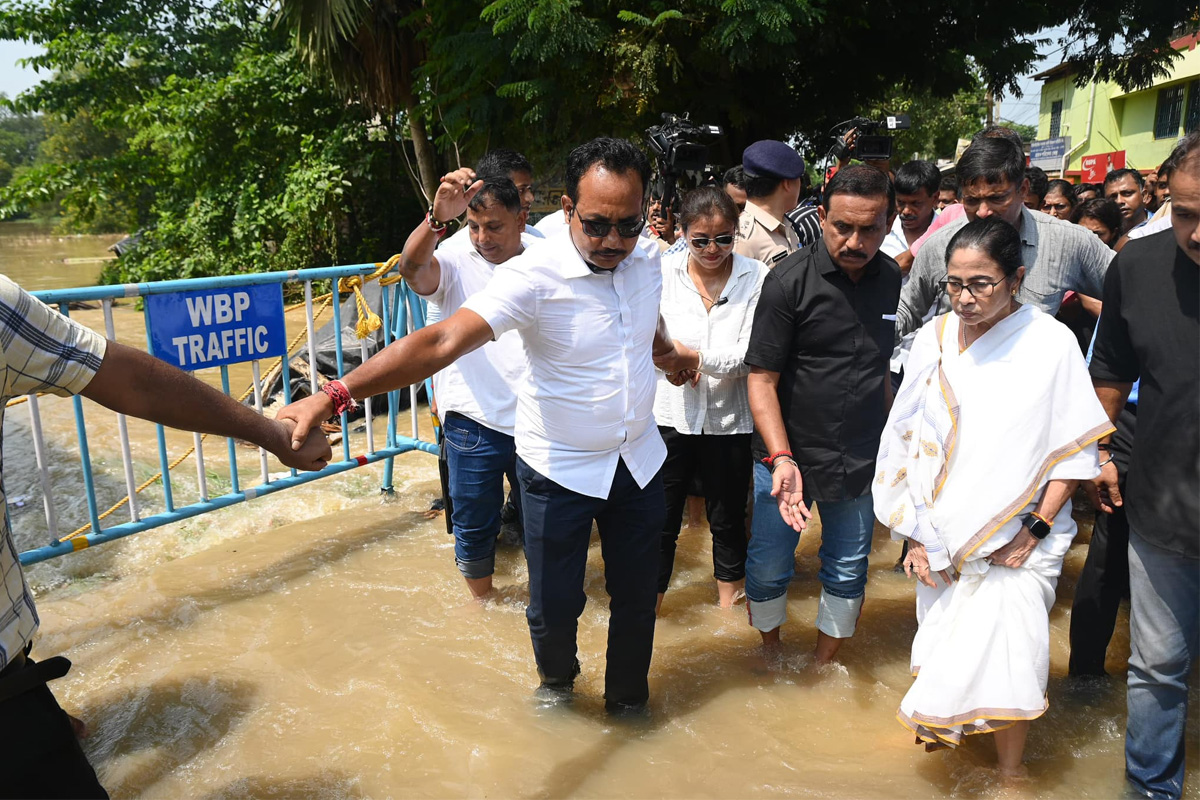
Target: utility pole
column 991, row 111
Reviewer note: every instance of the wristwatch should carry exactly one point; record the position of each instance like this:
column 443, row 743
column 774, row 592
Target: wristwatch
column 1037, row 526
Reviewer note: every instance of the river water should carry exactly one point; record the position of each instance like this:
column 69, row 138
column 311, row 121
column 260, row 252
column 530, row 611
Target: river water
column 319, row 643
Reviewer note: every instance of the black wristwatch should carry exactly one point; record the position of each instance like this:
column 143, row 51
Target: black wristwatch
column 1037, row 526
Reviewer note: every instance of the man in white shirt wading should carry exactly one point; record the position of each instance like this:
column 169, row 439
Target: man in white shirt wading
column 585, row 303
column 476, row 395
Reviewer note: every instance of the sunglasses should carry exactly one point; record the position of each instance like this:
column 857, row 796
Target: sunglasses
column 701, row 242
column 598, row 229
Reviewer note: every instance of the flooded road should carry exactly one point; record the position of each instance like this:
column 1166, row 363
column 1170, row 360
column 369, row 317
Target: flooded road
column 318, row 643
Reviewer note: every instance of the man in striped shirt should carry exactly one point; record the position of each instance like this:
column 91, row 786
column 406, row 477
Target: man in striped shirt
column 43, row 351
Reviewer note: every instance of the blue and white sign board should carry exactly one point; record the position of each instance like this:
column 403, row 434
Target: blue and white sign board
column 214, row 327
column 1048, row 153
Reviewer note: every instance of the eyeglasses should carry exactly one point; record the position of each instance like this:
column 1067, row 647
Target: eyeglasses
column 701, row 242
column 598, row 229
column 978, row 289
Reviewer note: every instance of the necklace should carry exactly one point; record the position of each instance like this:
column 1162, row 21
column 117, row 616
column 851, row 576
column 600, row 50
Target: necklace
column 726, row 268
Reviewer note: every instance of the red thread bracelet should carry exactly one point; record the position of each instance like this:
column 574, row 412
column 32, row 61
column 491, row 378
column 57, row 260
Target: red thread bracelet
column 340, row 395
column 770, row 460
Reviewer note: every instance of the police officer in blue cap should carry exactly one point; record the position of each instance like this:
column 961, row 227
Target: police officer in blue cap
column 774, row 176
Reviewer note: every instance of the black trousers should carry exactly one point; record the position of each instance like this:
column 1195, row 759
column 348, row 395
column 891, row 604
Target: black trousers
column 722, row 464
column 39, row 751
column 1105, row 576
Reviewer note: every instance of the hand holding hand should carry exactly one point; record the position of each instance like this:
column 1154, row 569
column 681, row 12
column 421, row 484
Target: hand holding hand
column 456, row 190
column 312, row 455
column 1104, row 491
column 787, row 487
column 680, row 357
column 305, row 416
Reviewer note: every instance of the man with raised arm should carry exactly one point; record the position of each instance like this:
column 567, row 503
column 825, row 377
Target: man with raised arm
column 476, row 395
column 585, row 303
column 43, row 351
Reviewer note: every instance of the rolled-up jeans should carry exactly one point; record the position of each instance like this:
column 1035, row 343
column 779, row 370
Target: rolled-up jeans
column 1164, row 629
column 846, row 530
column 478, row 458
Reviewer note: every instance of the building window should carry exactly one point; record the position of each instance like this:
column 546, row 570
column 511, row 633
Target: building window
column 1055, row 119
column 1170, row 112
column 1191, row 120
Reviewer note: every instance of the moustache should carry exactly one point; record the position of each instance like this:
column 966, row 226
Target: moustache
column 852, row 254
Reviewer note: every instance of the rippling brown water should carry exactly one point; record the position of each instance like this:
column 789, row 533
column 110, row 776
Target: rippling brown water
column 319, row 643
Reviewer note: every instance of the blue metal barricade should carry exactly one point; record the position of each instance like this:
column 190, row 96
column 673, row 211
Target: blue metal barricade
column 403, row 312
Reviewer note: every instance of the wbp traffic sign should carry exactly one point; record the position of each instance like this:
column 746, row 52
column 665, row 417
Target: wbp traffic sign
column 214, row 327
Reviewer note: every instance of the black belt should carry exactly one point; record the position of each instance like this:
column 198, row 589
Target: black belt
column 23, row 674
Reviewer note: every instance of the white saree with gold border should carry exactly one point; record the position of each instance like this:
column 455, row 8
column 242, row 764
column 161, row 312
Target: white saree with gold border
column 972, row 439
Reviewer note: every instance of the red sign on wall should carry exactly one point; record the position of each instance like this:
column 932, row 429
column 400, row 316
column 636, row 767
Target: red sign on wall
column 1096, row 166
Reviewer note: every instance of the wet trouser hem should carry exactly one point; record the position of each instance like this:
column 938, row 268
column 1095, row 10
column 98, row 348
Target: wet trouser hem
column 767, row 615
column 838, row 616
column 474, row 570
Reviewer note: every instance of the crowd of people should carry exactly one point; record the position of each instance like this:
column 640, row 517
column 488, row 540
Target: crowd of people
column 951, row 356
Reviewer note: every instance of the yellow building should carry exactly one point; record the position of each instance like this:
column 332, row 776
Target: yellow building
column 1079, row 126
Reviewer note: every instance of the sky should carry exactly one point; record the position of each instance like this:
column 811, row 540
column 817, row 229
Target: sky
column 14, row 79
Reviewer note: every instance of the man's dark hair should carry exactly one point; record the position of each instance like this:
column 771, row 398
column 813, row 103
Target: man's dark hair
column 760, row 185
column 1120, row 174
column 993, row 237
column 1184, row 155
column 614, row 155
column 1062, row 187
column 497, row 191
column 1000, row 132
column 991, row 160
column 736, row 176
column 501, row 163
column 707, row 201
column 949, row 184
column 917, row 175
column 1101, row 209
column 1039, row 182
column 1085, row 187
column 859, row 180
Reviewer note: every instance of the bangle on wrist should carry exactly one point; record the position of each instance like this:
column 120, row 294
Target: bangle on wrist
column 699, row 361
column 1107, row 462
column 437, row 227
column 784, row 460
column 770, row 460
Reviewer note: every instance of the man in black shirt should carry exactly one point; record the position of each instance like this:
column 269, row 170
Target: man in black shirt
column 819, row 391
column 1150, row 329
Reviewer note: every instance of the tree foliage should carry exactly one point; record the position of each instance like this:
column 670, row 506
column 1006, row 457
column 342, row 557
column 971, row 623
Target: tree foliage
column 262, row 134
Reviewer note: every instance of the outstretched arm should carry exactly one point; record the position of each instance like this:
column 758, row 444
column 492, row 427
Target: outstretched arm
column 137, row 384
column 409, row 360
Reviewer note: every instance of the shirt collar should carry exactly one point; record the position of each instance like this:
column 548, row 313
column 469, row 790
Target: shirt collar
column 1029, row 227
column 762, row 215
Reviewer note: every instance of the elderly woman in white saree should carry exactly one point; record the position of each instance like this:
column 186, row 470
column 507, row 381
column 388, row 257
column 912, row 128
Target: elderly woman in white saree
column 993, row 428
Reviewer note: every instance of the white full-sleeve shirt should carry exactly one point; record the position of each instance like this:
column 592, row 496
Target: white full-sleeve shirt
column 481, row 385
column 588, row 338
column 719, row 403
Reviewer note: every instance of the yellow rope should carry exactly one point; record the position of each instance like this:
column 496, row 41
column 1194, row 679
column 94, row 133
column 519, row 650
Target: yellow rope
column 368, row 321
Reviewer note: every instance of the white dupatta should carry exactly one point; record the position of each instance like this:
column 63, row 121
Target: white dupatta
column 973, row 437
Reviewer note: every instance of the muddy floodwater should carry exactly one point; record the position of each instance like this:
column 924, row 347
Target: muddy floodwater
column 318, row 643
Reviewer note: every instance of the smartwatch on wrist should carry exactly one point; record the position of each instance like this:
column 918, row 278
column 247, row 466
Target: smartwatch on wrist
column 1037, row 526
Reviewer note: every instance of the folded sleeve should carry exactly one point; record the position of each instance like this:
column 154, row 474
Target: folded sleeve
column 43, row 350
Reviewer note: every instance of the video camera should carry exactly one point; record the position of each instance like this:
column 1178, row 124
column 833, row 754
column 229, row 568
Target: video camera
column 679, row 145
column 869, row 146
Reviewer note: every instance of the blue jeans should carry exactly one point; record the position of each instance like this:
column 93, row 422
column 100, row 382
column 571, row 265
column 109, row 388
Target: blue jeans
column 478, row 458
column 558, row 528
column 1163, row 634
column 846, row 530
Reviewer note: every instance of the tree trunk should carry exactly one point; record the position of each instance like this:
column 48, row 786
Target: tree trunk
column 423, row 149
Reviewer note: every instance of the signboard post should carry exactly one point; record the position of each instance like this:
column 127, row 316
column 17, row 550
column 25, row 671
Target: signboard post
column 1094, row 167
column 215, row 327
column 1048, row 153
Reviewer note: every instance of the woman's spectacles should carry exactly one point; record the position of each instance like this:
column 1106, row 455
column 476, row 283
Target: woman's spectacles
column 701, row 242
column 598, row 229
column 978, row 289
